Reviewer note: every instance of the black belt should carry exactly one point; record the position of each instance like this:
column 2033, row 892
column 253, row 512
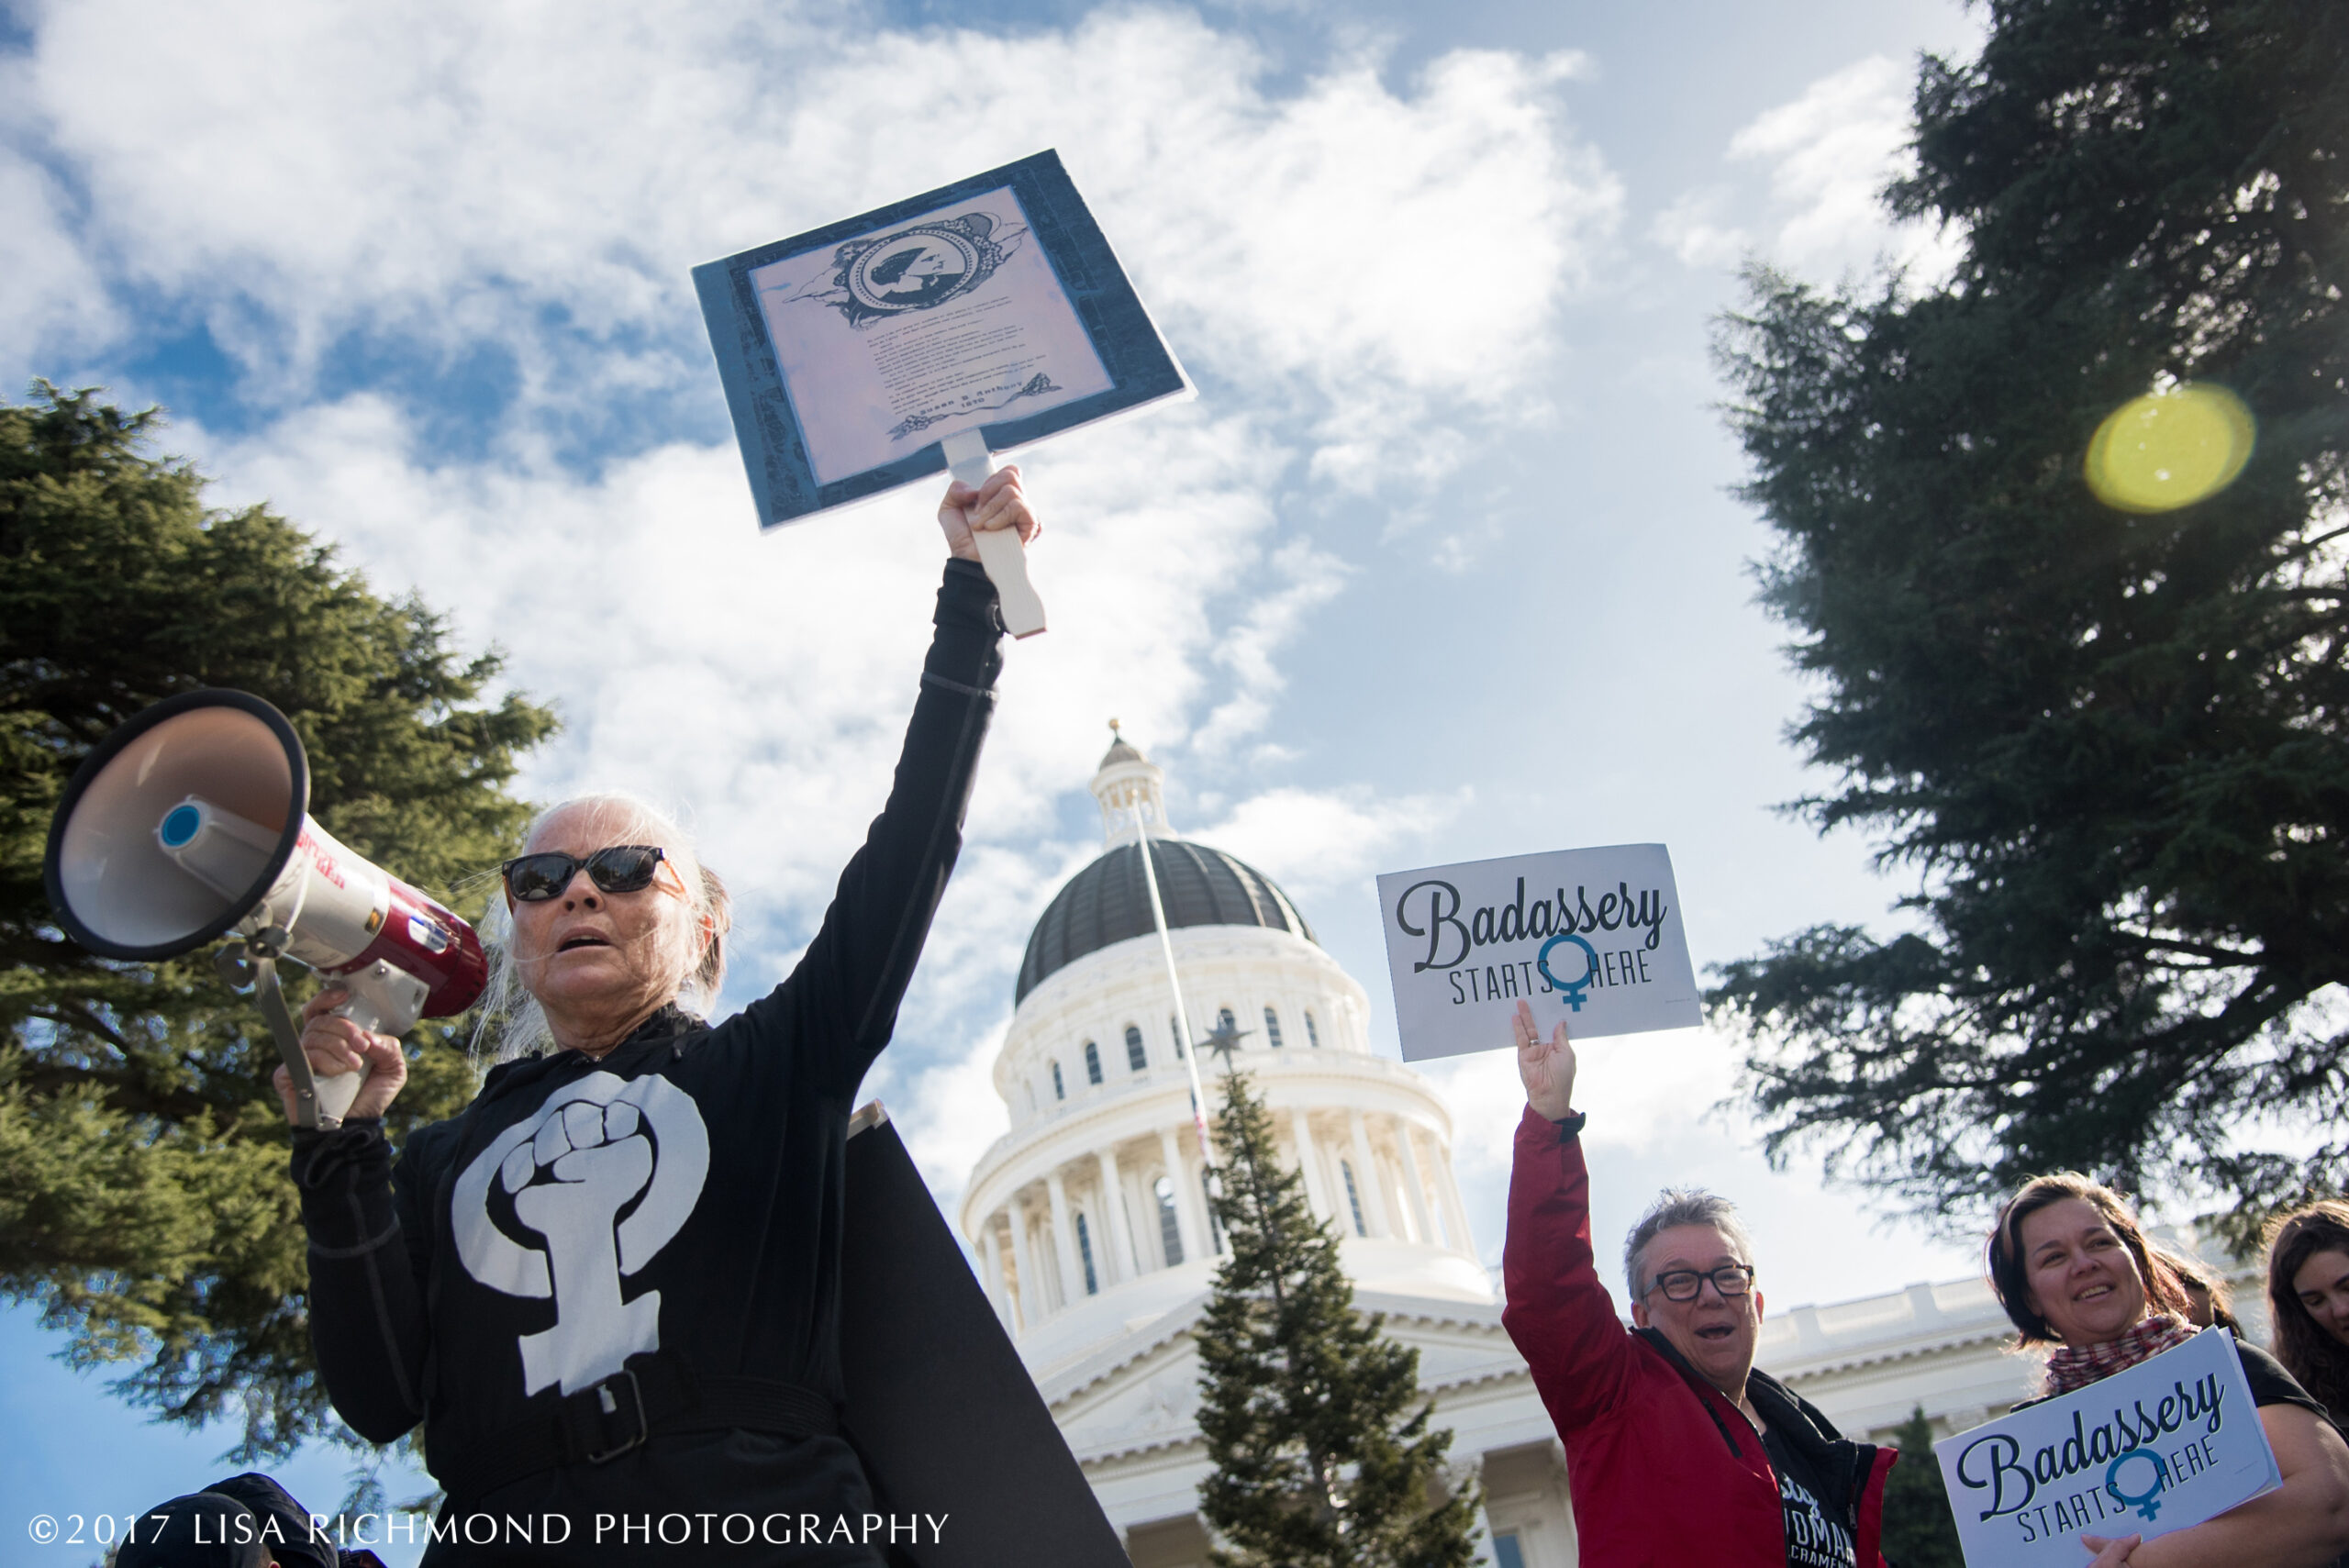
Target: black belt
column 652, row 1395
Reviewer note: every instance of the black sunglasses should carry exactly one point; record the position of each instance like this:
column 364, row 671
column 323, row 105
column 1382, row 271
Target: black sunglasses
column 1686, row 1285
column 623, row 868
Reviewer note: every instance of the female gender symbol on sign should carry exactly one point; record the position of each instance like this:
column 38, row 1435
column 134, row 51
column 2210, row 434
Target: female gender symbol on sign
column 2148, row 1502
column 1571, row 989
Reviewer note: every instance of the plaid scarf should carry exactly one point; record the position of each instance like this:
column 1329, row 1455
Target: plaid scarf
column 2068, row 1369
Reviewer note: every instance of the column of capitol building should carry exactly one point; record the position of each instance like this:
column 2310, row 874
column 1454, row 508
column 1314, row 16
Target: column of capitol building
column 1091, row 1231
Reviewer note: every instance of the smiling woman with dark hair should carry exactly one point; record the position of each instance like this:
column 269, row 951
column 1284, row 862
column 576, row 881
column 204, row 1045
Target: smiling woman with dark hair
column 2072, row 1269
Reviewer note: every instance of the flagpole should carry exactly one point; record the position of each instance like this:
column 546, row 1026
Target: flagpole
column 1186, row 1041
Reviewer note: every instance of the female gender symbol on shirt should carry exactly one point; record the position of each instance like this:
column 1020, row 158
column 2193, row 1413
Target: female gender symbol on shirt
column 1571, row 989
column 2147, row 1502
column 571, row 1177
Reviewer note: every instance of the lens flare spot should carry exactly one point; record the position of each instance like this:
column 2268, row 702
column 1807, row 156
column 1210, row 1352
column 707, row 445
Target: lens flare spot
column 2170, row 449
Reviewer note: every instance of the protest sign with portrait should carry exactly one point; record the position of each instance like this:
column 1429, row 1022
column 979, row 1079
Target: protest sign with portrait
column 991, row 311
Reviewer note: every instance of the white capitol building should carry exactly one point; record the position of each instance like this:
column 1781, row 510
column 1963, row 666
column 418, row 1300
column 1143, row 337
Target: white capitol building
column 1090, row 1225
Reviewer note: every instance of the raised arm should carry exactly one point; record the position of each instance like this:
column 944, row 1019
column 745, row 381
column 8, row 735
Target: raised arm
column 1558, row 1314
column 846, row 990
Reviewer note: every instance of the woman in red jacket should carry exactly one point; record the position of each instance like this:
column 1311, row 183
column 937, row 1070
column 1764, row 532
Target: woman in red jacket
column 1678, row 1451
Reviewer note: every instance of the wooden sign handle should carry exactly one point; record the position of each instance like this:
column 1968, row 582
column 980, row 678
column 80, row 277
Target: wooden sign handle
column 1000, row 551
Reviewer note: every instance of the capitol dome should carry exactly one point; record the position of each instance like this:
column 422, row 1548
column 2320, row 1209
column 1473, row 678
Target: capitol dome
column 1089, row 1218
column 1108, row 902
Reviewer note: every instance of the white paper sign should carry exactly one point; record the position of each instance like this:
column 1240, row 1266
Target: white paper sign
column 2172, row 1441
column 953, row 321
column 1591, row 937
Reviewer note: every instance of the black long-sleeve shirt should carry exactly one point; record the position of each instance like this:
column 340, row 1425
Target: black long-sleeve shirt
column 681, row 1195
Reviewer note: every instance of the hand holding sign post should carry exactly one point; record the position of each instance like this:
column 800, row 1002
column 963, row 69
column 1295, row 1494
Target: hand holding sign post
column 1588, row 938
column 1001, row 551
column 928, row 334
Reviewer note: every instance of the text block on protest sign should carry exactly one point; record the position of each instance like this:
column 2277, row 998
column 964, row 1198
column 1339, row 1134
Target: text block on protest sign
column 1589, row 936
column 2172, row 1441
column 994, row 305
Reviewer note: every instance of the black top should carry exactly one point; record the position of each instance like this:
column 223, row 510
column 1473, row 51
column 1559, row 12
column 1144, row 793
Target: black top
column 1815, row 1538
column 2271, row 1385
column 678, row 1198
column 1821, row 1475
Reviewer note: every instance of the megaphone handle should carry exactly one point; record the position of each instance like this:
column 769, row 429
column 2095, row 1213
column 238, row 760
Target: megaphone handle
column 384, row 998
column 270, row 1000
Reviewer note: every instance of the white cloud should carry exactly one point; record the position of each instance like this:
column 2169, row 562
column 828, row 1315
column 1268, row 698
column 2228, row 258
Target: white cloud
column 1830, row 153
column 764, row 678
column 954, row 1114
column 1826, row 157
column 462, row 175
column 50, row 296
column 1297, row 579
column 1651, row 1099
column 1326, row 839
column 1696, row 228
column 444, row 181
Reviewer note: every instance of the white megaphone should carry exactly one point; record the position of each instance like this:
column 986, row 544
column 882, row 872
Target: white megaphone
column 191, row 821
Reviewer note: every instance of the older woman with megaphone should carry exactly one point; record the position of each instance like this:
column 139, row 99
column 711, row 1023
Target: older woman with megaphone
column 2072, row 1267
column 609, row 1288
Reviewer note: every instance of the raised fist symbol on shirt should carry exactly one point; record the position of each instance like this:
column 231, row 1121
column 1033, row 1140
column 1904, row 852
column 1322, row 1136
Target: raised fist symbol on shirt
column 570, row 1172
column 598, row 1158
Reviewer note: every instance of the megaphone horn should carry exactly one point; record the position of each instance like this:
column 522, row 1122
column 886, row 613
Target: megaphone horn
column 190, row 821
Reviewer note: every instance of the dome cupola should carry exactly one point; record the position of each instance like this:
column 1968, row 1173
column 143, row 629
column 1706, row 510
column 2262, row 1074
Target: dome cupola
column 1108, row 901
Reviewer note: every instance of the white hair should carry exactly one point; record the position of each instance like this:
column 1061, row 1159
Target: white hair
column 512, row 1023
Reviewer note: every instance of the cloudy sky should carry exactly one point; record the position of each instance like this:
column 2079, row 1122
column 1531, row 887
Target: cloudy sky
column 1440, row 565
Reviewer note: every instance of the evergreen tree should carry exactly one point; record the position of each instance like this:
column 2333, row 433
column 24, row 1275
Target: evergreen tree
column 2113, row 745
column 143, row 1197
column 1919, row 1530
column 1321, row 1458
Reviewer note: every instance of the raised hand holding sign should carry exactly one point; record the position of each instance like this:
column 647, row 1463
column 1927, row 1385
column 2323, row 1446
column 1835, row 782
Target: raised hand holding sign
column 987, row 510
column 1546, row 1067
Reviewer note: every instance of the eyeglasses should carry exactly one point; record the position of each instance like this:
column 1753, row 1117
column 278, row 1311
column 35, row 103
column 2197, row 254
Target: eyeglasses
column 622, row 868
column 1685, row 1284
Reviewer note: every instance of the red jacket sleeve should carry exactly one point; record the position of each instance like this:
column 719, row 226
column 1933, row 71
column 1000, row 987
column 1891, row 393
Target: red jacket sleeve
column 1558, row 1313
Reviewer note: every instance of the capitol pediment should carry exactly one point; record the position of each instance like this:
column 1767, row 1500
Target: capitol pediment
column 1139, row 1392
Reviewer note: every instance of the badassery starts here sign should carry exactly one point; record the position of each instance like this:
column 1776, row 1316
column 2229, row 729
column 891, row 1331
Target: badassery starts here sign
column 1591, row 937
column 2172, row 1441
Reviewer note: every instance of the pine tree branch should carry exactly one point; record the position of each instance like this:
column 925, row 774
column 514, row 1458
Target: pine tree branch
column 79, row 1016
column 2219, row 957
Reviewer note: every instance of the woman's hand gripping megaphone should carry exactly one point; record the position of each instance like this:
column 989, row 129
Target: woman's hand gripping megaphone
column 337, row 1044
